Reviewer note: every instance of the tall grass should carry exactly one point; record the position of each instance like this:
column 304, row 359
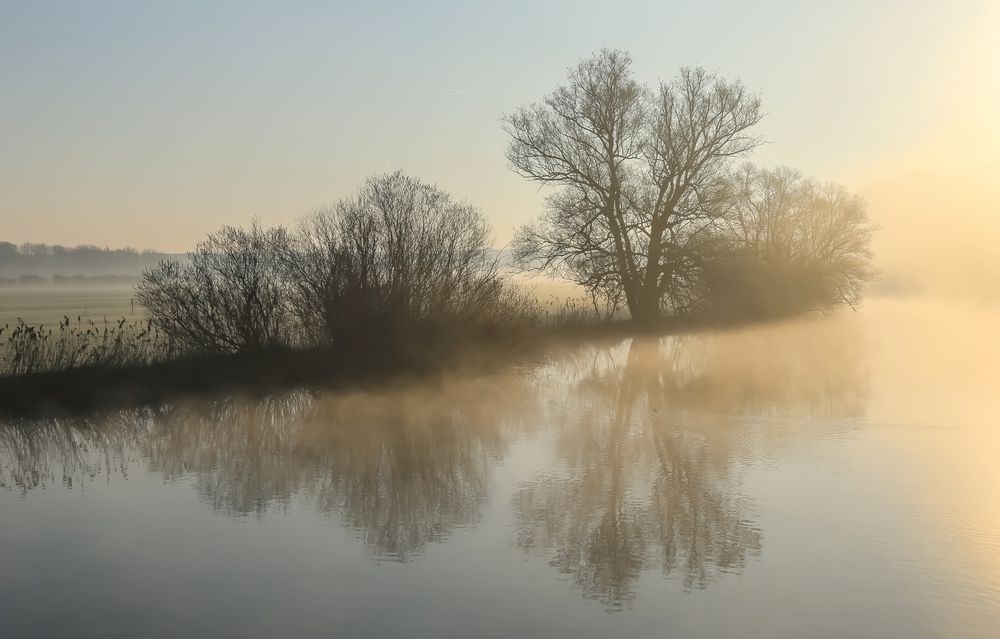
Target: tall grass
column 27, row 349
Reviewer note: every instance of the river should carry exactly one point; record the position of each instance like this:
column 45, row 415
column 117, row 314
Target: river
column 831, row 476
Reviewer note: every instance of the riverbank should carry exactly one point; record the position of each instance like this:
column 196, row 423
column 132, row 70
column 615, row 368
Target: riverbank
column 372, row 362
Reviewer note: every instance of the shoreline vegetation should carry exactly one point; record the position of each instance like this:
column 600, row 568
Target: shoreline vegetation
column 114, row 377
column 648, row 214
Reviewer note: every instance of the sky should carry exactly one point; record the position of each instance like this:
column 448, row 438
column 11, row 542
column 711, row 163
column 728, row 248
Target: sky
column 149, row 124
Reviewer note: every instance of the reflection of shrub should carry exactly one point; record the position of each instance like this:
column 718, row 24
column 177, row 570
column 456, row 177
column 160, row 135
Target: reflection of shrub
column 229, row 296
column 401, row 259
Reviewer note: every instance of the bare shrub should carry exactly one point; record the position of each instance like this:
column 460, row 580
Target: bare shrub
column 228, row 297
column 399, row 257
column 793, row 244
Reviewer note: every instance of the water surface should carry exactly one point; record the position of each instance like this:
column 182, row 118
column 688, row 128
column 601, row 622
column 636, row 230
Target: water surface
column 827, row 477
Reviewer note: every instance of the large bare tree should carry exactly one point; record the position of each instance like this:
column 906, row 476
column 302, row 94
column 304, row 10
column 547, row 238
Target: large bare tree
column 641, row 177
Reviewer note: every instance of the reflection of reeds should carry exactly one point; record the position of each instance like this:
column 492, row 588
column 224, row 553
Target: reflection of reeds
column 36, row 349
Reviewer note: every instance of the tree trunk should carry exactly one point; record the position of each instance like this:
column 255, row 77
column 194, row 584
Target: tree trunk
column 646, row 309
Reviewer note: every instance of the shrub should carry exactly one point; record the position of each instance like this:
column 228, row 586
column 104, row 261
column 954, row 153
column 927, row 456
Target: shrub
column 799, row 238
column 399, row 259
column 228, row 297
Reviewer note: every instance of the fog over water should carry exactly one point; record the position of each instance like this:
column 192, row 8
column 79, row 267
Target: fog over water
column 937, row 233
column 692, row 484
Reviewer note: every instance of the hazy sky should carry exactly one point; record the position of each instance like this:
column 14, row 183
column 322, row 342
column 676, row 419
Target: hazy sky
column 150, row 123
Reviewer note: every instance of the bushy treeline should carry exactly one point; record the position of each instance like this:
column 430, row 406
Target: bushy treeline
column 29, row 260
column 402, row 271
column 399, row 264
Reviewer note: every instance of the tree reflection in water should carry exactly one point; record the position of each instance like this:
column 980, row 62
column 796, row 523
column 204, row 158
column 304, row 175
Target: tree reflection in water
column 404, row 467
column 650, row 437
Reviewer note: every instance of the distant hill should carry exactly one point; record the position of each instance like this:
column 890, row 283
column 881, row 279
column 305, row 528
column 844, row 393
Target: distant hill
column 44, row 261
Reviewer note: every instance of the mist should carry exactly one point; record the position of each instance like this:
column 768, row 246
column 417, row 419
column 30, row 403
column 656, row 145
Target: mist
column 937, row 234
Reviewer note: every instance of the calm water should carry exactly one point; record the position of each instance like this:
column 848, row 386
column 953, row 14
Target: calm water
column 832, row 477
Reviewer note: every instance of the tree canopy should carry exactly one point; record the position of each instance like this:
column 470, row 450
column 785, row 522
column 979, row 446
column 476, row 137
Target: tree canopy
column 645, row 186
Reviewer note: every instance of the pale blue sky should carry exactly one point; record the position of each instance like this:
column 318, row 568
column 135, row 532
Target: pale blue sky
column 150, row 123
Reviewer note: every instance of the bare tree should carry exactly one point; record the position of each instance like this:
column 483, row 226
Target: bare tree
column 641, row 177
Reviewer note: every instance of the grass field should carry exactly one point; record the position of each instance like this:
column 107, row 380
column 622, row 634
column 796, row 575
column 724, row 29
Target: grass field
column 47, row 304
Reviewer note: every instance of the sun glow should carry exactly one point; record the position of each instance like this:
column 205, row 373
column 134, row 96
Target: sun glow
column 968, row 91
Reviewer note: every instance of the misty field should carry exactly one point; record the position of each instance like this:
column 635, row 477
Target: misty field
column 49, row 303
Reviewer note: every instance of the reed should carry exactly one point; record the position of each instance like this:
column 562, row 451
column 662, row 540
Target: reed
column 27, row 349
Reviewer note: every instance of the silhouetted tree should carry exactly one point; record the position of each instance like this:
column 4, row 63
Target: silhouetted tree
column 641, row 173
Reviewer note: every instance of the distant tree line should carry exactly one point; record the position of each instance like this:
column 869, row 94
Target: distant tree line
column 31, row 262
